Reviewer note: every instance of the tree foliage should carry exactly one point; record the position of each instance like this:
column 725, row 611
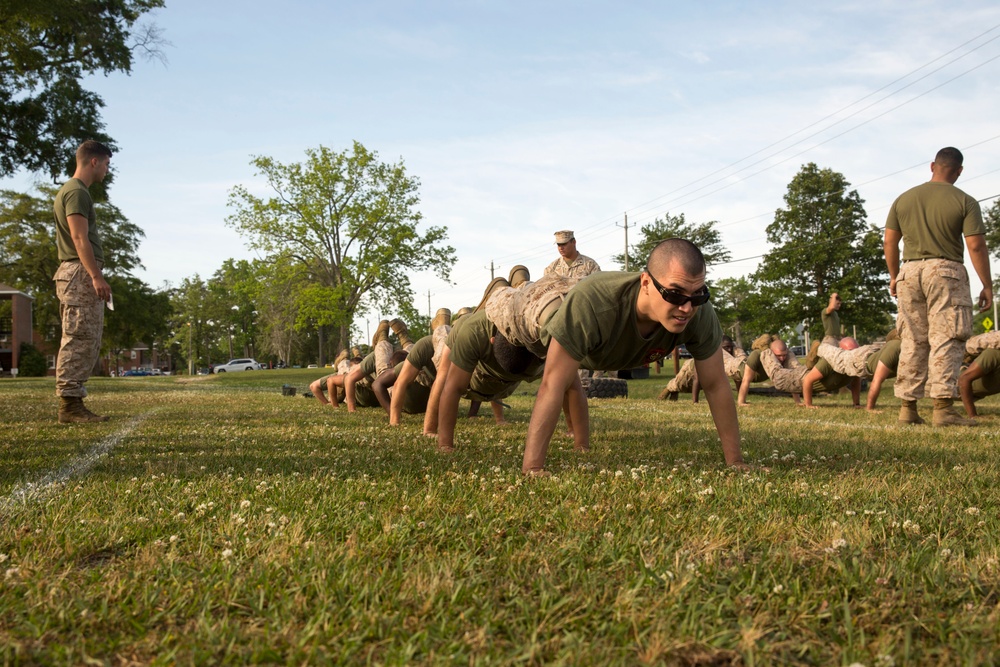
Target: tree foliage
column 991, row 218
column 29, row 257
column 349, row 222
column 704, row 235
column 47, row 47
column 823, row 244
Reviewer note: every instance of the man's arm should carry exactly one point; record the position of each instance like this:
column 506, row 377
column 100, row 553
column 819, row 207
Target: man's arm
column 406, row 376
column 381, row 388
column 882, row 373
column 890, row 245
column 454, row 386
column 696, row 388
column 350, row 396
column 560, row 370
column 79, row 229
column 434, row 400
column 715, row 382
column 856, row 392
column 965, row 380
column 812, row 376
column 832, row 306
column 980, row 257
column 748, row 376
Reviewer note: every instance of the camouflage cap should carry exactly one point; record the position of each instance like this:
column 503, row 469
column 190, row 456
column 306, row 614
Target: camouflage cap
column 565, row 236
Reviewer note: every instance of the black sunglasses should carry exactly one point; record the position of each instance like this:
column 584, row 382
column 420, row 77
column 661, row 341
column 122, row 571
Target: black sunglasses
column 699, row 298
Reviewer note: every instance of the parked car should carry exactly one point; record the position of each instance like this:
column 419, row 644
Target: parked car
column 683, row 351
column 798, row 350
column 237, row 365
column 135, row 372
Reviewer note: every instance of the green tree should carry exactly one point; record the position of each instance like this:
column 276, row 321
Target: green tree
column 823, row 244
column 991, row 218
column 734, row 301
column 704, row 235
column 29, row 257
column 47, row 47
column 350, row 222
column 141, row 315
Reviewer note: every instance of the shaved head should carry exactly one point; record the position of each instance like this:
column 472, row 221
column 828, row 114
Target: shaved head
column 682, row 251
column 848, row 343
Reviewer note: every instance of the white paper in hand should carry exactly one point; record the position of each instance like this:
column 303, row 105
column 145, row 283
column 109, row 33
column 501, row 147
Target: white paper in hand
column 110, row 303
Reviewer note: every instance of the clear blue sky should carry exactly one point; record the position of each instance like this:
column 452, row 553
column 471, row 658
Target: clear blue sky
column 523, row 118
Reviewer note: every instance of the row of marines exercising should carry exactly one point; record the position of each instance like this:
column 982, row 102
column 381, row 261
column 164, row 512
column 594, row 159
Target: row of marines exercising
column 832, row 365
column 550, row 329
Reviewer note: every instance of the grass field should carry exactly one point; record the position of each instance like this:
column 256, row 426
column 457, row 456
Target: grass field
column 216, row 521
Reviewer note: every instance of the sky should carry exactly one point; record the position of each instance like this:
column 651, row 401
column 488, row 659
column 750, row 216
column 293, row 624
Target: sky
column 524, row 118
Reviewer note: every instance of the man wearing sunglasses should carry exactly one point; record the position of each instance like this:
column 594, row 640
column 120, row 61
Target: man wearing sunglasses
column 623, row 320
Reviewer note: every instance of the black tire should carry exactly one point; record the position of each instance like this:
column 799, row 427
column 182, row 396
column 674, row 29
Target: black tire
column 607, row 388
column 219, row 370
column 248, row 369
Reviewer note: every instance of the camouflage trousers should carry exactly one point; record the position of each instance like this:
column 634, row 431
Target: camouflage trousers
column 383, row 356
column 783, row 379
column 935, row 320
column 849, row 362
column 684, row 380
column 440, row 334
column 520, row 313
column 82, row 313
column 987, row 341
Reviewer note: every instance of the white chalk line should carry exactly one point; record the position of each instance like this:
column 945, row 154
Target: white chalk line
column 32, row 492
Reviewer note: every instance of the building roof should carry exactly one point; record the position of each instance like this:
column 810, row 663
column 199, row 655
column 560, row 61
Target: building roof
column 7, row 289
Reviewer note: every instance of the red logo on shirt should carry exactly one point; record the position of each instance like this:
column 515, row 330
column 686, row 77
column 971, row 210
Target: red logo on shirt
column 655, row 355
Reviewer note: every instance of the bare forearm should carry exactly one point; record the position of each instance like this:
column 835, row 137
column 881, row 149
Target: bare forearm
column 544, row 416
column 720, row 402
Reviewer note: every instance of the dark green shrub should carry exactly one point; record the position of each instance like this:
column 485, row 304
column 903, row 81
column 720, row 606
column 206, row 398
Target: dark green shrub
column 32, row 363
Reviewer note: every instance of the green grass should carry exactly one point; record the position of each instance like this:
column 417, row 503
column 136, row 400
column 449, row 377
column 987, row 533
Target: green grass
column 226, row 523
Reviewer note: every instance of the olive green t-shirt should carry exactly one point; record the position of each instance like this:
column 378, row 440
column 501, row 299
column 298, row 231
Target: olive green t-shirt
column 753, row 363
column 415, row 401
column 73, row 198
column 471, row 347
column 831, row 380
column 831, row 323
column 888, row 355
column 598, row 326
column 421, row 357
column 989, row 384
column 933, row 219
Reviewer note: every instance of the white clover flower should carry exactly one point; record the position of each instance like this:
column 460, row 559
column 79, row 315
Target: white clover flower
column 609, row 535
column 972, row 511
column 180, row 515
column 3, row 558
column 422, row 524
column 173, row 538
column 226, row 553
column 11, row 572
column 777, row 589
column 707, row 491
column 839, row 543
column 244, row 504
column 945, row 552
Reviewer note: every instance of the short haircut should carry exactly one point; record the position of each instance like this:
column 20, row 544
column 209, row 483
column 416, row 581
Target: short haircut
column 949, row 158
column 514, row 359
column 778, row 345
column 91, row 149
column 683, row 251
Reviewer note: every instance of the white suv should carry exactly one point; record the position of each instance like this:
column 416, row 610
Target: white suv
column 238, row 365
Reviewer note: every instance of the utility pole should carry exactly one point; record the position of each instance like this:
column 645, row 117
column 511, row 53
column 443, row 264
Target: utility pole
column 626, row 238
column 428, row 304
column 492, row 270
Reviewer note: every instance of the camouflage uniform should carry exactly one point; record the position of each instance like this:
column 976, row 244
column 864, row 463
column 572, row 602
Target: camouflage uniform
column 519, row 313
column 684, row 380
column 784, row 379
column 849, row 362
column 580, row 267
column 82, row 313
column 440, row 339
column 987, row 341
column 935, row 320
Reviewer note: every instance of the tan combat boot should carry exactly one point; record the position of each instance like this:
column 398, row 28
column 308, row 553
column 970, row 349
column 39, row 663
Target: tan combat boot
column 441, row 318
column 908, row 413
column 461, row 312
column 381, row 333
column 518, row 276
column 340, row 357
column 945, row 414
column 401, row 332
column 72, row 411
column 495, row 285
